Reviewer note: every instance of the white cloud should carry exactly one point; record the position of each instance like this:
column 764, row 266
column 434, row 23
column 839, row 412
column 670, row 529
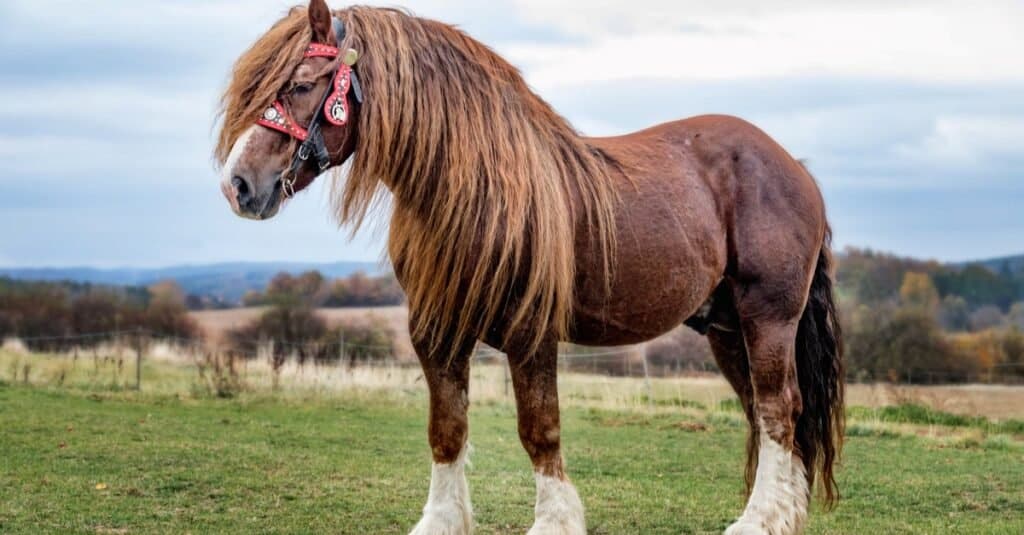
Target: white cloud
column 67, row 159
column 101, row 106
column 968, row 141
column 888, row 100
column 719, row 40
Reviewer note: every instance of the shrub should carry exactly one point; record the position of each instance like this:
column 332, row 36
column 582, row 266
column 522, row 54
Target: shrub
column 362, row 343
column 902, row 345
column 298, row 330
column 986, row 317
column 1013, row 352
column 292, row 328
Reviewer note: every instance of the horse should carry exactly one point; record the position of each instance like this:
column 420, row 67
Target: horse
column 510, row 228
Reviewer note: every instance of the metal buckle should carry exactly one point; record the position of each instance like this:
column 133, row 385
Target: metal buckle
column 288, row 187
column 303, row 152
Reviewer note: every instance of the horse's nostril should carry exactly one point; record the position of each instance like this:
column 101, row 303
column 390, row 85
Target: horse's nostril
column 240, row 184
column 242, row 189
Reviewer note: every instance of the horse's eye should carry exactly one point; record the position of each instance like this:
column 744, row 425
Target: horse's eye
column 302, row 89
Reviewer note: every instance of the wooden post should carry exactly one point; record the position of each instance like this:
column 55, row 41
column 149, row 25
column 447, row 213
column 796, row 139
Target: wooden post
column 508, row 379
column 138, row 359
column 341, row 348
column 647, row 378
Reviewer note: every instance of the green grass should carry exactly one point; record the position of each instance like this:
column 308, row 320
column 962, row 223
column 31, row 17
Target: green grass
column 266, row 464
column 912, row 413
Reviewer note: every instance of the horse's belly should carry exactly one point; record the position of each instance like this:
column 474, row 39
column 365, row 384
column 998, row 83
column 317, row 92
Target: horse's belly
column 670, row 255
column 592, row 328
column 653, row 292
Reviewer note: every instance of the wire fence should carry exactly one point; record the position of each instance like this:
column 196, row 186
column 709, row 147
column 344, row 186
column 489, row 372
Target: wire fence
column 626, row 361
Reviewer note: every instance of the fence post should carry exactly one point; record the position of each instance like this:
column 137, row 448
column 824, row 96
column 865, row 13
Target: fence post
column 341, row 349
column 506, row 372
column 138, row 359
column 647, row 379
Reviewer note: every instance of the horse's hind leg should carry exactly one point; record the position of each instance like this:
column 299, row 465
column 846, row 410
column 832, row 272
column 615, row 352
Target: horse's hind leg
column 534, row 378
column 448, row 510
column 778, row 500
column 731, row 356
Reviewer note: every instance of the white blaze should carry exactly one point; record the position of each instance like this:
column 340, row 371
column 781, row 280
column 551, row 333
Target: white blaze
column 237, row 150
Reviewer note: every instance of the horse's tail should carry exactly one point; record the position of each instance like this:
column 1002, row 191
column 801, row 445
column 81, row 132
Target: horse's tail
column 819, row 361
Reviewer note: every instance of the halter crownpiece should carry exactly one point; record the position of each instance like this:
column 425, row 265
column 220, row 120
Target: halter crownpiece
column 333, row 107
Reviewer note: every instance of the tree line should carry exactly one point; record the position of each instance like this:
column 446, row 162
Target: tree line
column 905, row 320
column 46, row 314
column 356, row 290
column 916, row 321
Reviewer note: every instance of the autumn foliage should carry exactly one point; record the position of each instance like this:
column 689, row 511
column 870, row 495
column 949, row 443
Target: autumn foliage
column 926, row 322
column 50, row 315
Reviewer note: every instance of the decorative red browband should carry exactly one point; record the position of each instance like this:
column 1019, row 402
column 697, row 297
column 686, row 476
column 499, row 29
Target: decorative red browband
column 277, row 118
column 335, row 106
column 317, row 50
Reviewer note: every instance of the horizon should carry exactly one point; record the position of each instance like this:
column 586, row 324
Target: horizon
column 387, row 264
column 914, row 129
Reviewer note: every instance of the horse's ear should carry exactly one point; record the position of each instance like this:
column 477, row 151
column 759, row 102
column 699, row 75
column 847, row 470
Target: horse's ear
column 320, row 22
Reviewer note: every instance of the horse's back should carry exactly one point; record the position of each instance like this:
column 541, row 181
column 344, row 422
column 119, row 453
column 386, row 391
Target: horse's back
column 760, row 191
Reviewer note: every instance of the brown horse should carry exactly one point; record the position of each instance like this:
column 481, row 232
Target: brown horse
column 510, row 228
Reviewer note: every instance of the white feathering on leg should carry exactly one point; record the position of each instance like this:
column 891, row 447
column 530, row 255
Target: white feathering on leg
column 559, row 510
column 448, row 510
column 778, row 501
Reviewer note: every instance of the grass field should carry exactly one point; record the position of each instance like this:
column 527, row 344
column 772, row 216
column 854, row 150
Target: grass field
column 80, row 461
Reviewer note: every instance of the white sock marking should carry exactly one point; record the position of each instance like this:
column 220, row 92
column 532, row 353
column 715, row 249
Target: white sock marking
column 778, row 501
column 559, row 510
column 448, row 510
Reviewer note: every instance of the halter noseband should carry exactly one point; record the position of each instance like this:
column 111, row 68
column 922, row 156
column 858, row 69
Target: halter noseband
column 333, row 107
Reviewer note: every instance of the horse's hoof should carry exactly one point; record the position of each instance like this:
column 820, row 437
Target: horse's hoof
column 569, row 526
column 745, row 527
column 443, row 522
column 559, row 510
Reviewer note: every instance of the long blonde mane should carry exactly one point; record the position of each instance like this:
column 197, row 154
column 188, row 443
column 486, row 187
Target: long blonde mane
column 490, row 185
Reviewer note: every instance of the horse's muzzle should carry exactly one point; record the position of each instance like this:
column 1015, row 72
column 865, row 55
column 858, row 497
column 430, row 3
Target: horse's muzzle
column 248, row 202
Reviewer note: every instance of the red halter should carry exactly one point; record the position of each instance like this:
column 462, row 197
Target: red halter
column 333, row 108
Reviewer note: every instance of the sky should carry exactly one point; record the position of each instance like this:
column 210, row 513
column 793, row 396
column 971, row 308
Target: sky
column 910, row 114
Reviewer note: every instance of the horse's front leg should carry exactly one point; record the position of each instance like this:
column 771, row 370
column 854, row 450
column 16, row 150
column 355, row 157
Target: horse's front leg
column 534, row 377
column 448, row 510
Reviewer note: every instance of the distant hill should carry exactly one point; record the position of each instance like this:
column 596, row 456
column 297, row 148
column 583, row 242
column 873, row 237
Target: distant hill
column 1015, row 263
column 227, row 282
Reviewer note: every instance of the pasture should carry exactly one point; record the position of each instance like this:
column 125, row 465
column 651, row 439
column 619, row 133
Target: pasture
column 90, row 456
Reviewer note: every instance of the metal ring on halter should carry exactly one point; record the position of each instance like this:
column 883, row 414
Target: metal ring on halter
column 288, row 186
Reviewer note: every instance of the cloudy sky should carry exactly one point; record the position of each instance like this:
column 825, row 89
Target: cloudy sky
column 910, row 113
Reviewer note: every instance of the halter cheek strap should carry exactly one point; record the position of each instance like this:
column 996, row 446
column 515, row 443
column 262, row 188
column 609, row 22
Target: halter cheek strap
column 333, row 108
